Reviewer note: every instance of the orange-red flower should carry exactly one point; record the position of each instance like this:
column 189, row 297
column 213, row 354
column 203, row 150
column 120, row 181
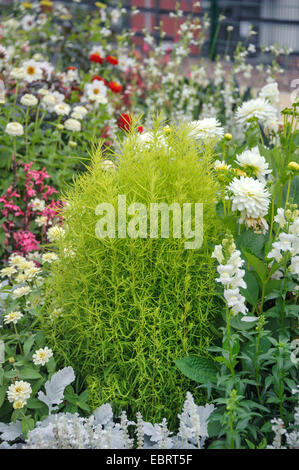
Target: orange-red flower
column 96, row 58
column 115, row 87
column 112, row 60
column 124, row 122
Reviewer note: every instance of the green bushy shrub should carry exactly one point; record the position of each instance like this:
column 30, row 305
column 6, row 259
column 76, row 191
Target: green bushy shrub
column 130, row 307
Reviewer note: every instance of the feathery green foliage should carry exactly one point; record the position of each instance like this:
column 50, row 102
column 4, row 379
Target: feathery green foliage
column 130, row 307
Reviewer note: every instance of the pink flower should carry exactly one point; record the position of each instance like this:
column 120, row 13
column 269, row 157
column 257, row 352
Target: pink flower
column 26, row 241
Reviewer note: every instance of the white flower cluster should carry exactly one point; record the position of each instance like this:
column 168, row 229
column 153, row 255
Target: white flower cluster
column 231, row 275
column 290, row 437
column 288, row 239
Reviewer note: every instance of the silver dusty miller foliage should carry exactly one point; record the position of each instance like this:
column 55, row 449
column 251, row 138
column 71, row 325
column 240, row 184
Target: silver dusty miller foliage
column 102, row 430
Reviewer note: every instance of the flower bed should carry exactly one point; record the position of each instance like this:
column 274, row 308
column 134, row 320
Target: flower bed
column 112, row 326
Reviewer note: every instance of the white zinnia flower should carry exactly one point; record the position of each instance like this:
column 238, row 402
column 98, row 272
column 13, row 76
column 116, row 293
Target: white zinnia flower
column 49, row 257
column 37, row 204
column 80, row 110
column 96, row 92
column 29, row 100
column 32, row 71
column 62, row 109
column 14, row 129
column 19, row 390
column 108, row 165
column 253, row 160
column 72, row 125
column 41, row 221
column 21, row 291
column 55, row 232
column 28, row 22
column 12, row 317
column 250, row 196
column 42, row 356
column 258, row 108
column 206, row 129
column 8, row 271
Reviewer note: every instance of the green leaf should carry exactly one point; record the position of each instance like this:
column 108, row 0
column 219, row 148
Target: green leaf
column 28, row 344
column 27, row 424
column 251, row 242
column 199, row 369
column 35, row 404
column 2, row 395
column 28, row 373
column 258, row 265
column 251, row 293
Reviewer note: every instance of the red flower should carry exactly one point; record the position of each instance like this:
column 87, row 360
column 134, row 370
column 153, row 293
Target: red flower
column 71, row 67
column 140, row 129
column 124, row 122
column 112, row 60
column 99, row 78
column 96, row 58
column 115, row 87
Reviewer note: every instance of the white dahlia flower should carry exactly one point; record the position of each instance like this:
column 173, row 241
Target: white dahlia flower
column 249, row 196
column 205, row 129
column 257, row 108
column 253, row 161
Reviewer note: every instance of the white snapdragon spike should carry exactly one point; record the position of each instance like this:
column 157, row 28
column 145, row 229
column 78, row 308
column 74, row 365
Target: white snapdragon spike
column 253, row 161
column 231, row 276
column 270, row 92
column 258, row 108
column 288, row 240
column 280, row 218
